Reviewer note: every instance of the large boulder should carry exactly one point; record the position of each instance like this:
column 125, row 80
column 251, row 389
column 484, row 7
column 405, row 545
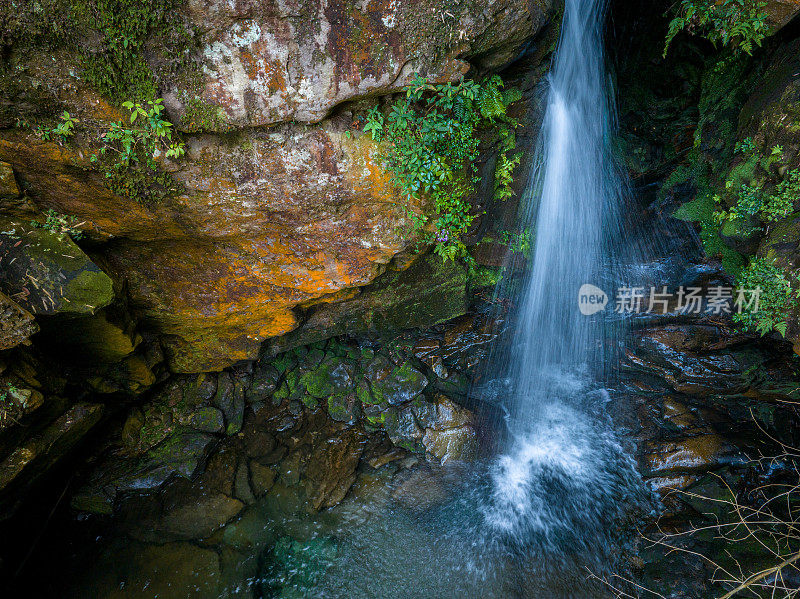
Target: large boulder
column 427, row 292
column 265, row 61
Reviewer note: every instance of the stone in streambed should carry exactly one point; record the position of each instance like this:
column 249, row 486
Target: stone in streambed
column 261, row 478
column 332, row 376
column 208, row 420
column 175, row 570
column 293, row 564
column 691, row 455
column 344, row 408
column 199, row 516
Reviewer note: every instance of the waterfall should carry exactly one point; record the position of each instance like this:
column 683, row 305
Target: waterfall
column 573, row 204
column 561, row 481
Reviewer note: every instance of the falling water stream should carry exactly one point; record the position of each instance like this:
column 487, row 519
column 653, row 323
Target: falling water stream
column 563, row 471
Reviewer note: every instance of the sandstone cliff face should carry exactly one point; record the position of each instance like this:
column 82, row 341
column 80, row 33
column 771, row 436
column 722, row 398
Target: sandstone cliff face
column 282, row 200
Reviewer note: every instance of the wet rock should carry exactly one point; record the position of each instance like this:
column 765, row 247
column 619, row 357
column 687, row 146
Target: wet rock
column 220, row 471
column 452, row 435
column 263, row 384
column 421, row 489
column 181, row 402
column 665, row 353
column 394, row 384
column 404, row 430
column 695, row 454
column 230, row 399
column 257, row 442
column 242, row 488
column 331, row 377
column 175, row 570
column 331, row 470
column 200, row 516
column 16, row 324
column 451, row 444
column 208, row 420
column 427, row 350
column 669, row 484
column 182, row 454
column 677, row 414
column 344, row 408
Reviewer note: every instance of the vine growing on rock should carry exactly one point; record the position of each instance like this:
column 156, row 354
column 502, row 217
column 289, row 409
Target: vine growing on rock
column 429, row 142
column 739, row 24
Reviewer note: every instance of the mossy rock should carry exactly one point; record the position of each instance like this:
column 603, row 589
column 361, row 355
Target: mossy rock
column 741, row 234
column 230, row 399
column 344, row 408
column 783, row 242
column 208, row 420
column 333, row 376
column 429, row 292
column 50, row 272
column 312, row 403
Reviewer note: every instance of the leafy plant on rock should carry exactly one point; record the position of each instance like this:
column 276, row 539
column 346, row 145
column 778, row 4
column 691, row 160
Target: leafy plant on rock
column 7, row 406
column 62, row 131
column 60, row 224
column 429, row 143
column 129, row 153
column 777, row 299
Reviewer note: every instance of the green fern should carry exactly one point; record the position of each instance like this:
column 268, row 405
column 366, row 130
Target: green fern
column 739, row 24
